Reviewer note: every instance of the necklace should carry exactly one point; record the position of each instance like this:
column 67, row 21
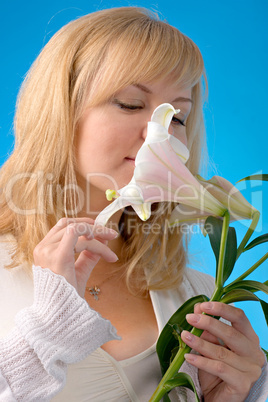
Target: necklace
column 94, row 291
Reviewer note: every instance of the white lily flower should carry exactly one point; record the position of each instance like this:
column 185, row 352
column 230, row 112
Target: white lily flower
column 157, row 130
column 160, row 174
column 132, row 194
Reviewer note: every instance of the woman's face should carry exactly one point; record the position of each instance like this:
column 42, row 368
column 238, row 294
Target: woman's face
column 110, row 135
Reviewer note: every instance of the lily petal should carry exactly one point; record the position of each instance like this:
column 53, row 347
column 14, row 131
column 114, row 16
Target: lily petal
column 230, row 196
column 163, row 114
column 160, row 167
column 111, row 209
column 158, row 130
column 186, row 214
column 143, row 210
column 181, row 150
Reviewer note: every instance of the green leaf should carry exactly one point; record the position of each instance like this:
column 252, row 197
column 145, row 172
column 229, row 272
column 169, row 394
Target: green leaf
column 167, row 341
column 252, row 286
column 181, row 380
column 265, row 352
column 244, row 295
column 176, row 331
column 166, row 398
column 238, row 295
column 263, row 177
column 174, row 352
column 230, row 254
column 259, row 240
column 265, row 309
column 213, row 226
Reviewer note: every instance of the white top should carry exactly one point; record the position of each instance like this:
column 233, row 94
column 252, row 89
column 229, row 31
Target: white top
column 46, row 327
column 101, row 378
column 144, row 372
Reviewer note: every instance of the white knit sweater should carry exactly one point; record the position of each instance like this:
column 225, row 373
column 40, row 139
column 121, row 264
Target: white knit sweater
column 58, row 329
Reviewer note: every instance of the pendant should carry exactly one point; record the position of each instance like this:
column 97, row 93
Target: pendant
column 95, row 291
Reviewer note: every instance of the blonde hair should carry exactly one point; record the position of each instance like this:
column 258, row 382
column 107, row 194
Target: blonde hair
column 85, row 64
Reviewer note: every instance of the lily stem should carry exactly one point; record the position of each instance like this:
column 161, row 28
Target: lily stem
column 179, row 358
column 173, row 369
column 252, row 227
column 223, row 243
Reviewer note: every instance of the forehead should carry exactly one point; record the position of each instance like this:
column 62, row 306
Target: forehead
column 167, row 88
column 152, row 62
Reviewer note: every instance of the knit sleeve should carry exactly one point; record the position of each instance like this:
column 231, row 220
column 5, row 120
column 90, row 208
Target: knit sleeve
column 57, row 330
column 258, row 393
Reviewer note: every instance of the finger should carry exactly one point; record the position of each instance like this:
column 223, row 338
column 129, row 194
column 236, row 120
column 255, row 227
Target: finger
column 82, row 228
column 233, row 314
column 234, row 339
column 67, row 243
column 97, row 248
column 197, row 309
column 64, row 222
column 86, row 262
column 101, row 232
column 215, row 352
column 89, row 231
column 237, row 382
column 207, row 336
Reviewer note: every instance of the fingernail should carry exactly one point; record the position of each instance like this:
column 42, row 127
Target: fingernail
column 114, row 232
column 189, row 357
column 115, row 257
column 207, row 305
column 187, row 335
column 90, row 236
column 193, row 318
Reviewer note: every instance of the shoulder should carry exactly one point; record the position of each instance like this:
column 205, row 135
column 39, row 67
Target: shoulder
column 7, row 247
column 16, row 286
column 199, row 282
column 166, row 302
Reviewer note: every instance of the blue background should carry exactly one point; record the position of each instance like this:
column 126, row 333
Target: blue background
column 233, row 38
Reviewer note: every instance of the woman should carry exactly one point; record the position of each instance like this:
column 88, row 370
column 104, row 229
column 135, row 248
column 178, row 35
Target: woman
column 81, row 117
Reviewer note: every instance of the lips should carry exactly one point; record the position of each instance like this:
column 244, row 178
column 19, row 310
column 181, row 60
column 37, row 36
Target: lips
column 130, row 159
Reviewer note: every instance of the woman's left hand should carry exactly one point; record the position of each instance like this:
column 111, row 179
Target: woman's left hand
column 226, row 372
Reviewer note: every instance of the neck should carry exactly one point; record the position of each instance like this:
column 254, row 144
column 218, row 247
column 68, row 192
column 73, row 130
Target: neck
column 94, row 201
column 104, row 270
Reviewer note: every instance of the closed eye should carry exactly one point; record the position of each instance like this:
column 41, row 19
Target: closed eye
column 126, row 106
column 177, row 121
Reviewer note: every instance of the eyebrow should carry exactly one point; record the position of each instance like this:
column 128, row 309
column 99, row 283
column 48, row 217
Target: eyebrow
column 148, row 91
column 182, row 99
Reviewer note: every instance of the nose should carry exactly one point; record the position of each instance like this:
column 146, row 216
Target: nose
column 144, row 132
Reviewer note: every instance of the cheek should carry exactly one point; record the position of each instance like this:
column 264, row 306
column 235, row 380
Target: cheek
column 92, row 140
column 184, row 139
column 180, row 135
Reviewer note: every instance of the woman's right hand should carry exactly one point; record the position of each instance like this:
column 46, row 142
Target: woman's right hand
column 70, row 236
